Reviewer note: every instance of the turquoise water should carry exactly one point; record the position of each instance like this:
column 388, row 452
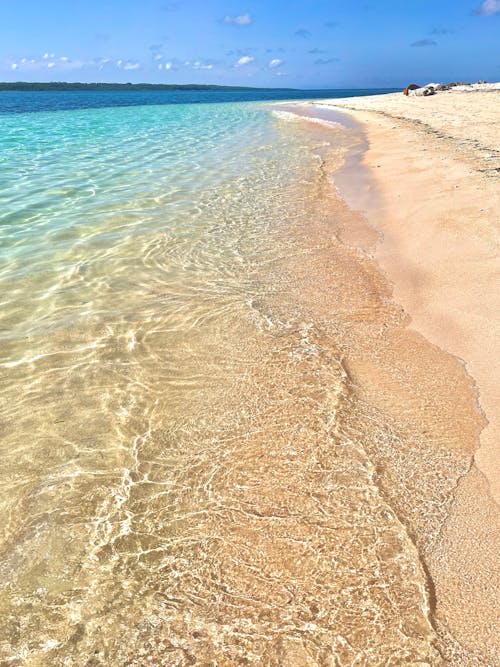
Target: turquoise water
column 28, row 101
column 82, row 187
column 169, row 399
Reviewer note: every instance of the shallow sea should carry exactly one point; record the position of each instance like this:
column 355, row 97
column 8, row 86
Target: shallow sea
column 190, row 465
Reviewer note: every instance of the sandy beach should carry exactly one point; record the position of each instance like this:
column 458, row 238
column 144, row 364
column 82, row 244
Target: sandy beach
column 245, row 406
column 435, row 164
column 250, row 334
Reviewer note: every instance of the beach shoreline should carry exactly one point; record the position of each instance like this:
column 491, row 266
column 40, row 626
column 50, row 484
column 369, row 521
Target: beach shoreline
column 239, row 447
column 448, row 188
column 434, row 164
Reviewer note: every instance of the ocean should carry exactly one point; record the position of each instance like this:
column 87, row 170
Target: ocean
column 187, row 474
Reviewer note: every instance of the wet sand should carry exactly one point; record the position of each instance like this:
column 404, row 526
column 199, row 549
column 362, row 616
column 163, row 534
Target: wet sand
column 435, row 200
column 436, row 164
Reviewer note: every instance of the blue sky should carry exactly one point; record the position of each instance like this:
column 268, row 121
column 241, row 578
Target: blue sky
column 298, row 43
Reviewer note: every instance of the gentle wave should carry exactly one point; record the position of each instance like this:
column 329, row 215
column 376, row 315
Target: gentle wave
column 289, row 116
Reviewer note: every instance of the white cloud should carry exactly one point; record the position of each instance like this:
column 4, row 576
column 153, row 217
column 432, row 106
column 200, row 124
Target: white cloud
column 244, row 60
column 164, row 66
column 275, row 62
column 65, row 63
column 200, row 65
column 157, row 56
column 45, row 61
column 243, row 19
column 127, row 64
column 489, row 7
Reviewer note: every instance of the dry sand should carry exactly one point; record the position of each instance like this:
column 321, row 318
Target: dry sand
column 436, row 167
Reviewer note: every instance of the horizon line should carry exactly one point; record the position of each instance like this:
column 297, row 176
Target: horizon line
column 4, row 84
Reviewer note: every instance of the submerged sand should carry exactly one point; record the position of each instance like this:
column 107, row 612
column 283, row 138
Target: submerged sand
column 435, row 164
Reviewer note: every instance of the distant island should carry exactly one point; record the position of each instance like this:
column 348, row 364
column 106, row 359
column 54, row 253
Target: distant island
column 65, row 86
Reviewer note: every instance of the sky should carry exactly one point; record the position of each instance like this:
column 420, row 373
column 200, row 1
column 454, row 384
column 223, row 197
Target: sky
column 272, row 43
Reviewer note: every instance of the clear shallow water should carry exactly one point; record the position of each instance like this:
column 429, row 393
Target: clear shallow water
column 186, row 472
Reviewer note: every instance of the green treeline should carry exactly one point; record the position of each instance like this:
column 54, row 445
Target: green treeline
column 64, row 86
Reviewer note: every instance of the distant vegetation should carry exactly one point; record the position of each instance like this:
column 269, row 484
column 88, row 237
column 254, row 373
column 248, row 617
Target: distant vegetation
column 64, row 86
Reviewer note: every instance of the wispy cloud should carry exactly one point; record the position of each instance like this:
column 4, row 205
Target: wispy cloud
column 244, row 60
column 51, row 61
column 488, row 8
column 156, row 51
column 317, row 52
column 202, row 65
column 127, row 65
column 441, row 31
column 326, row 61
column 275, row 62
column 424, row 42
column 303, row 33
column 102, row 62
column 331, row 24
column 243, row 19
